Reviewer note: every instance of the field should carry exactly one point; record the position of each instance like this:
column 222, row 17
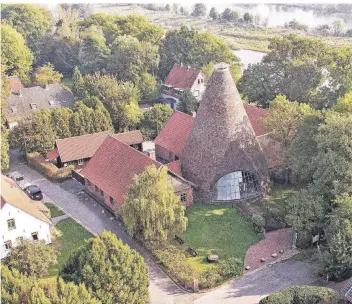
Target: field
column 217, row 230
column 72, row 236
column 54, row 211
column 256, row 39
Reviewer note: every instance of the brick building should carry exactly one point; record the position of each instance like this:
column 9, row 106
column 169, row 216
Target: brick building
column 110, row 171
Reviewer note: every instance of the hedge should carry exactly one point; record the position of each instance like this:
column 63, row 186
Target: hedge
column 37, row 162
column 302, row 295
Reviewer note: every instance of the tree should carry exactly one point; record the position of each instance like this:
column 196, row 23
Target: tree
column 101, row 119
column 32, row 22
column 192, row 48
column 16, row 57
column 17, row 288
column 44, row 133
column 230, row 15
column 344, row 104
column 61, row 122
column 339, row 27
column 32, row 258
column 78, row 87
column 188, row 103
column 81, row 121
column 148, row 87
column 247, row 17
column 46, row 75
column 336, row 263
column 111, row 270
column 199, row 9
column 162, row 215
column 154, row 119
column 213, row 14
column 168, row 7
column 5, row 92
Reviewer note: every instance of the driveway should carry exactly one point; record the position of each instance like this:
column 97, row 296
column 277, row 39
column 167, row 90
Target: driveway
column 246, row 290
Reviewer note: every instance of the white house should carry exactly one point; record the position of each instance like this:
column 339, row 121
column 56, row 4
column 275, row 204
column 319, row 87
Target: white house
column 20, row 217
column 180, row 78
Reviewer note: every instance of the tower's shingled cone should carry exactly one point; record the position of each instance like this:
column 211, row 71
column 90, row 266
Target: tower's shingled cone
column 222, row 139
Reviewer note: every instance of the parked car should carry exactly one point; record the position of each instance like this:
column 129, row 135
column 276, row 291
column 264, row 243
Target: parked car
column 19, row 179
column 34, row 192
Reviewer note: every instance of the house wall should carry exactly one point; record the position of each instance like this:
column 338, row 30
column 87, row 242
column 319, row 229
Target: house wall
column 25, row 223
column 199, row 86
column 164, row 154
column 189, row 195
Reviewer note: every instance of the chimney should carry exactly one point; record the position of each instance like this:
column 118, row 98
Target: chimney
column 194, row 114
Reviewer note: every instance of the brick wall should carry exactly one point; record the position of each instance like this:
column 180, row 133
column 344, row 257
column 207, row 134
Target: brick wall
column 164, row 154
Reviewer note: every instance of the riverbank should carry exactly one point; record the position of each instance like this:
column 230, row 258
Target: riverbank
column 256, row 39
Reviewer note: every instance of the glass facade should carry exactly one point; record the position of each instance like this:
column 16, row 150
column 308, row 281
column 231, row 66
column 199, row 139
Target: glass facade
column 236, row 185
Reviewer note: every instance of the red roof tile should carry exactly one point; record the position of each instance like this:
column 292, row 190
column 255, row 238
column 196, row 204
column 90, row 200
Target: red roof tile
column 15, row 84
column 255, row 114
column 175, row 132
column 182, row 77
column 130, row 138
column 175, row 167
column 113, row 167
column 52, row 154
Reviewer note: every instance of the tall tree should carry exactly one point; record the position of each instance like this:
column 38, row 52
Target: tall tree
column 199, row 9
column 154, row 119
column 101, row 119
column 81, row 121
column 111, row 270
column 61, row 122
column 17, row 289
column 44, row 133
column 5, row 92
column 78, row 87
column 163, row 213
column 213, row 14
column 32, row 258
column 344, row 104
column 46, row 75
column 188, row 103
column 16, row 57
column 31, row 21
column 148, row 87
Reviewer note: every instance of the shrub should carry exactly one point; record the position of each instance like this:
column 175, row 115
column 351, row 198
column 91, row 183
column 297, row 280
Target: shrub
column 211, row 278
column 36, row 161
column 232, row 267
column 258, row 222
column 301, row 295
column 274, row 219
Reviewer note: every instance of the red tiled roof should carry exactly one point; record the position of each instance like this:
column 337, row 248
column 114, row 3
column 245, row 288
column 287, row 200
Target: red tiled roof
column 255, row 114
column 175, row 167
column 182, row 77
column 113, row 167
column 84, row 146
column 130, row 138
column 174, row 134
column 15, row 84
column 52, row 154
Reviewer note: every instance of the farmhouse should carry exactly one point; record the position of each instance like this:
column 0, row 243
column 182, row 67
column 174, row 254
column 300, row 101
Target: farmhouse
column 180, row 78
column 23, row 101
column 77, row 150
column 110, row 171
column 21, row 217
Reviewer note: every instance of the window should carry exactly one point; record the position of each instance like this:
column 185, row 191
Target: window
column 112, row 200
column 11, row 225
column 202, row 80
column 80, row 162
column 198, row 81
column 236, row 185
column 8, row 245
column 34, row 106
column 35, row 236
column 196, row 93
column 183, row 197
column 96, row 189
column 101, row 192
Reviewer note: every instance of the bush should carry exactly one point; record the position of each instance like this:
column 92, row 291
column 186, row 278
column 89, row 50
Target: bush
column 231, row 268
column 37, row 162
column 301, row 295
column 258, row 222
column 274, row 219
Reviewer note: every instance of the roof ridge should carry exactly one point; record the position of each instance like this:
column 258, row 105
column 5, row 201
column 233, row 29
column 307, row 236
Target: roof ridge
column 82, row 135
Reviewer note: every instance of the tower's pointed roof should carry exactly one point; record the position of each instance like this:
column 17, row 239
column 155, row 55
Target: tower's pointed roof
column 222, row 139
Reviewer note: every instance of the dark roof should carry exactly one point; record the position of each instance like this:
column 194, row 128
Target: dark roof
column 175, row 132
column 182, row 76
column 84, row 146
column 346, row 291
column 21, row 106
column 15, row 84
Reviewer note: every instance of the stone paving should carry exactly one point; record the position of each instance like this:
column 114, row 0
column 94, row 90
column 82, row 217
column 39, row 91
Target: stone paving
column 57, row 219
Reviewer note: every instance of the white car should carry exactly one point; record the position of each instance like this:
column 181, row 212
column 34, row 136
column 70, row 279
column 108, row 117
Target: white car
column 19, row 179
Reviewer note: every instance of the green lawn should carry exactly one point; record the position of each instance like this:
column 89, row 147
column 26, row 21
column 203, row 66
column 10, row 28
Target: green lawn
column 219, row 230
column 278, row 197
column 72, row 236
column 54, row 211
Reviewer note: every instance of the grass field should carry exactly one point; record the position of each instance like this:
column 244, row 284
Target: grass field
column 278, row 197
column 256, row 39
column 217, row 230
column 54, row 211
column 72, row 236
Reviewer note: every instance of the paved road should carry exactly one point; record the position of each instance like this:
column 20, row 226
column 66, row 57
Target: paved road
column 247, row 290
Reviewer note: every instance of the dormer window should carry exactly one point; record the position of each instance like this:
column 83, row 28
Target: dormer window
column 179, row 92
column 52, row 102
column 34, row 106
column 13, row 109
column 198, row 81
column 166, row 88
